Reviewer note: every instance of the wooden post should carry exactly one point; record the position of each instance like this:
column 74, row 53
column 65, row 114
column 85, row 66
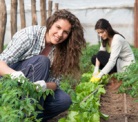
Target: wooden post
column 136, row 24
column 49, row 8
column 13, row 17
column 3, row 21
column 22, row 14
column 43, row 12
column 33, row 8
column 56, row 6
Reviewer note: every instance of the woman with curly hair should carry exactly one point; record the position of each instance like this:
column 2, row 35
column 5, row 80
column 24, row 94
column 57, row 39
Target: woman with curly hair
column 45, row 54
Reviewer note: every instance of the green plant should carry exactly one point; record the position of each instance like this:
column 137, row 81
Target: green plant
column 129, row 79
column 85, row 61
column 85, row 95
column 135, row 50
column 86, row 103
column 19, row 101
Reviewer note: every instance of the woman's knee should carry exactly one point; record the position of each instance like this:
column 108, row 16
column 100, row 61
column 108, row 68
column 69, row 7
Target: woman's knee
column 66, row 102
column 62, row 100
column 43, row 60
column 103, row 54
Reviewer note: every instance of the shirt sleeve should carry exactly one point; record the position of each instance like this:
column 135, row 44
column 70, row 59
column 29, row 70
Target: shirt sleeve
column 115, row 51
column 16, row 47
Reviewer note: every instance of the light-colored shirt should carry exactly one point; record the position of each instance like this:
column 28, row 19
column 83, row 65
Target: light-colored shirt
column 25, row 44
column 106, row 48
column 120, row 52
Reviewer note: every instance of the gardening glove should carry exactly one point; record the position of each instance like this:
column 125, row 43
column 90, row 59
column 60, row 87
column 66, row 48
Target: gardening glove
column 96, row 71
column 17, row 75
column 96, row 78
column 42, row 84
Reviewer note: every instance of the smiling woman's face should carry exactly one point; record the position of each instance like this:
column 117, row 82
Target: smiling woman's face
column 102, row 33
column 58, row 32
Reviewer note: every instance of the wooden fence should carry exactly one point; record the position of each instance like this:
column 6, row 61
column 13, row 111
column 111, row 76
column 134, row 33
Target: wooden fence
column 136, row 24
column 45, row 13
column 13, row 16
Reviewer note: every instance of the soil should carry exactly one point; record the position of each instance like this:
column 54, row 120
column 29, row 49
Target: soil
column 119, row 107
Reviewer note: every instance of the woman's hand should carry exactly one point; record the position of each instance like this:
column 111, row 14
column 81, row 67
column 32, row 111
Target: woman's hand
column 95, row 79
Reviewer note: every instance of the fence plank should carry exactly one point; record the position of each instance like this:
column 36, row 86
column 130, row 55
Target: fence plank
column 136, row 24
column 56, row 6
column 22, row 14
column 43, row 12
column 3, row 21
column 33, row 9
column 14, row 4
column 50, row 8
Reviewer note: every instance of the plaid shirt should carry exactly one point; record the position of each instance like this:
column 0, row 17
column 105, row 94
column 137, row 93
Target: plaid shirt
column 25, row 44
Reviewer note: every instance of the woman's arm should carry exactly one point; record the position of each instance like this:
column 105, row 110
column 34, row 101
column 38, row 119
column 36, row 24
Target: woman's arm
column 51, row 85
column 116, row 48
column 96, row 68
column 5, row 69
column 97, row 63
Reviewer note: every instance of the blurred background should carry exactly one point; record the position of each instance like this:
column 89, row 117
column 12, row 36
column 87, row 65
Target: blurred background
column 120, row 14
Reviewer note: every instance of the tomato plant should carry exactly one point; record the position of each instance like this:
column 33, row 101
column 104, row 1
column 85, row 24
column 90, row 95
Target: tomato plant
column 19, row 101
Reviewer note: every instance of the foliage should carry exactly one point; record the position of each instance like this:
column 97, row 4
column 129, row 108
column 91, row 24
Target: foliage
column 86, row 101
column 19, row 101
column 68, row 85
column 87, row 53
column 86, row 95
column 135, row 50
column 130, row 80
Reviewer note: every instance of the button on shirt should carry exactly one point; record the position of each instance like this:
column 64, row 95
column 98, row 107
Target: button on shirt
column 25, row 44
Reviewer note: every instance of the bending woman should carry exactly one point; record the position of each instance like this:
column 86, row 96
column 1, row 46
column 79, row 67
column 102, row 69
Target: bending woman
column 43, row 54
column 115, row 52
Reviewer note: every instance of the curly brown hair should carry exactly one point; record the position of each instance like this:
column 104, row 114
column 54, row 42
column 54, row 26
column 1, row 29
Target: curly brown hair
column 67, row 54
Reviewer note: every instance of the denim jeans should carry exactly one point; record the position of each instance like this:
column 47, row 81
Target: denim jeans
column 37, row 68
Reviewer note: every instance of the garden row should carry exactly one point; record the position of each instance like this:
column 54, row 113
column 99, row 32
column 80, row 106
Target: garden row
column 19, row 101
column 86, row 97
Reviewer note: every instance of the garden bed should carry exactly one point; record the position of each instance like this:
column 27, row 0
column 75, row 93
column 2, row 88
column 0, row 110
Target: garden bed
column 120, row 107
